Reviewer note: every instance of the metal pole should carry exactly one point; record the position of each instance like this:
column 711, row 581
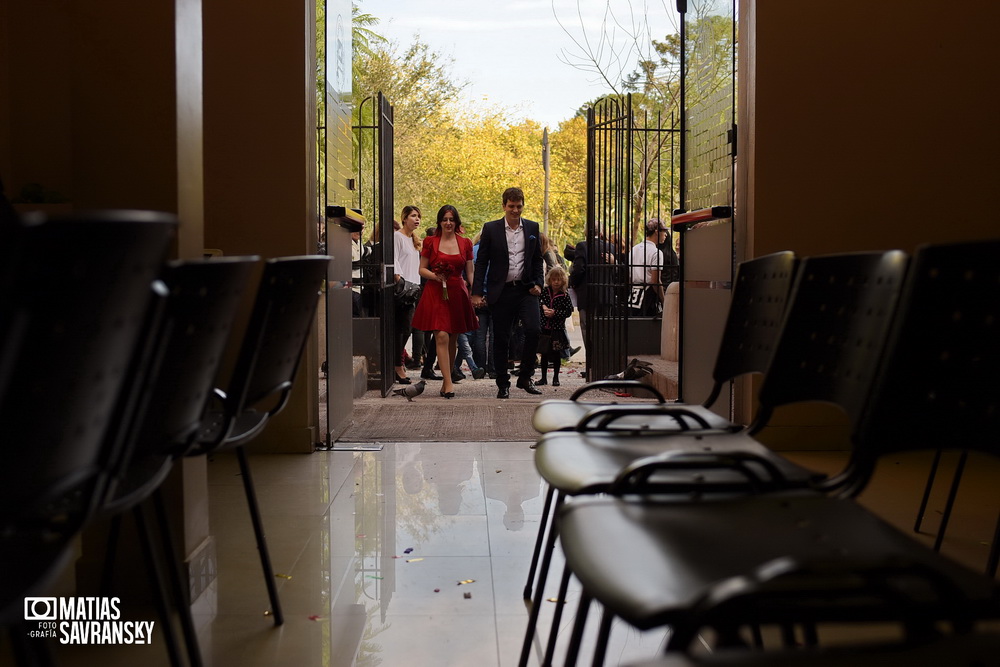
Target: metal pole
column 545, row 165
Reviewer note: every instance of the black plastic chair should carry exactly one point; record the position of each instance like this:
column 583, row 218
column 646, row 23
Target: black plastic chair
column 189, row 341
column 836, row 299
column 751, row 330
column 752, row 326
column 74, row 293
column 935, row 387
column 273, row 343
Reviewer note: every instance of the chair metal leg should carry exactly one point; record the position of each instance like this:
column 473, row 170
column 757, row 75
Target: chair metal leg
column 176, row 578
column 576, row 638
column 952, row 493
column 258, row 529
column 536, row 605
column 602, row 638
column 155, row 573
column 539, row 540
column 927, row 491
column 111, row 554
column 550, row 649
column 994, row 557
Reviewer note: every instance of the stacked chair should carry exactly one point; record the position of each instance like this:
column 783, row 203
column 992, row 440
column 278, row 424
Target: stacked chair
column 109, row 362
column 262, row 379
column 759, row 299
column 835, row 296
column 916, row 371
column 74, row 295
column 188, row 341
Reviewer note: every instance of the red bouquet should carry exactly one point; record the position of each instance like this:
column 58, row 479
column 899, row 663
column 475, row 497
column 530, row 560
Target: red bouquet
column 442, row 269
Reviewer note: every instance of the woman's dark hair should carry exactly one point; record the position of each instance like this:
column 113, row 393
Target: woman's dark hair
column 458, row 219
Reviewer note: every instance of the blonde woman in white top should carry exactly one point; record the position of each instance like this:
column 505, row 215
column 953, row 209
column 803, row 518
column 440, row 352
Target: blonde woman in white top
column 406, row 249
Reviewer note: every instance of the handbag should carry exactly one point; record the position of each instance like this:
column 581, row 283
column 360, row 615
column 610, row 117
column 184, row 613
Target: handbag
column 407, row 293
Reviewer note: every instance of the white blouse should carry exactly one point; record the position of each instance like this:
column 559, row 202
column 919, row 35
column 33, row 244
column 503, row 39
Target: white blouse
column 407, row 257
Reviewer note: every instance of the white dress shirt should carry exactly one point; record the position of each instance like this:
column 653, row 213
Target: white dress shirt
column 515, row 251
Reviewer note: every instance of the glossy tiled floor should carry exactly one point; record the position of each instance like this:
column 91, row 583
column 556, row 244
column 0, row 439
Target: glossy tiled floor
column 370, row 548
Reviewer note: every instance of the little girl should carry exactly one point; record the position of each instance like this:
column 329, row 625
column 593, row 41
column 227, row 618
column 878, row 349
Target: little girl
column 556, row 306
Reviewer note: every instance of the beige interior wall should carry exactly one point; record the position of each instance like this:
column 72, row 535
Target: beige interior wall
column 260, row 165
column 35, row 117
column 865, row 128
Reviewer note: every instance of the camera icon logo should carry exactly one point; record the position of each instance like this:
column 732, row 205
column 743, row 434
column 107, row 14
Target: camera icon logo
column 40, row 609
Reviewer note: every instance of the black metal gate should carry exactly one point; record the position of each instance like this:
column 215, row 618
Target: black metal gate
column 708, row 88
column 631, row 178
column 375, row 329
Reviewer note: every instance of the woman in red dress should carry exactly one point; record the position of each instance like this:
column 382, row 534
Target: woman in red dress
column 445, row 306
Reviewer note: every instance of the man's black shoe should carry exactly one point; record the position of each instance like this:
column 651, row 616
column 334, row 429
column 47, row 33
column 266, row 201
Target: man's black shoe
column 529, row 386
column 504, row 392
column 431, row 376
column 457, row 376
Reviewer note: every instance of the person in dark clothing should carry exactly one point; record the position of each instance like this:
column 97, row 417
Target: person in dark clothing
column 508, row 278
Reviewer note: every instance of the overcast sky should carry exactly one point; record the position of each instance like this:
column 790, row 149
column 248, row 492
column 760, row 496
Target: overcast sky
column 512, row 53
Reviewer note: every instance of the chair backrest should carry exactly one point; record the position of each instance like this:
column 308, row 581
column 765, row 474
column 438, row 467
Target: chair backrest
column 204, row 296
column 833, row 332
column 939, row 385
column 74, row 293
column 277, row 332
column 760, row 295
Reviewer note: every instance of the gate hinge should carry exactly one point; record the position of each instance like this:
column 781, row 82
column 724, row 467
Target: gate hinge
column 731, row 137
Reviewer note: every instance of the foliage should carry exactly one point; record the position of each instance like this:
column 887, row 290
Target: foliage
column 447, row 153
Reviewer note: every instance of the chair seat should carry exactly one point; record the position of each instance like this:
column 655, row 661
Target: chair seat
column 961, row 651
column 562, row 415
column 588, row 463
column 650, row 563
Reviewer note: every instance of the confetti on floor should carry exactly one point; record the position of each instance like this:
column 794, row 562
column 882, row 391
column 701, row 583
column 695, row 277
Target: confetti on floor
column 282, row 576
column 408, row 550
column 467, row 581
column 468, row 596
column 413, row 560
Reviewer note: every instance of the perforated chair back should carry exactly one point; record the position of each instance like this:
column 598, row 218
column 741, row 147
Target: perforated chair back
column 272, row 347
column 203, row 299
column 74, row 293
column 940, row 384
column 833, row 332
column 760, row 295
column 282, row 317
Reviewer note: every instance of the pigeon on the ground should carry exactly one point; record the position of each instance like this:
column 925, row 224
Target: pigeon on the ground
column 410, row 391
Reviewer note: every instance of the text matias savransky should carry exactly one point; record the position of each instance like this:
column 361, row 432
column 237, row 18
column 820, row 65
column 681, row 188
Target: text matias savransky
column 84, row 620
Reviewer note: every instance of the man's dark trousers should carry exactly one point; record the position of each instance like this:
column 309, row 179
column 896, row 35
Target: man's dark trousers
column 515, row 303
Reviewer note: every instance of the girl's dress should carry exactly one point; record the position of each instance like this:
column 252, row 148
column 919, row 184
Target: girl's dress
column 555, row 326
column 454, row 314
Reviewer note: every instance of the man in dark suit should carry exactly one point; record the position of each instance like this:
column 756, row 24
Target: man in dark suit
column 509, row 272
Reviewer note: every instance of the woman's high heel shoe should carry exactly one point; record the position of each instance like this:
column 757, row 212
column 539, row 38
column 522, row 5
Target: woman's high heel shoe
column 402, row 380
column 447, row 394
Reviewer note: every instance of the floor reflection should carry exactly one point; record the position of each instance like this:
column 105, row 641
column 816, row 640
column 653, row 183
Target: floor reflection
column 417, row 555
